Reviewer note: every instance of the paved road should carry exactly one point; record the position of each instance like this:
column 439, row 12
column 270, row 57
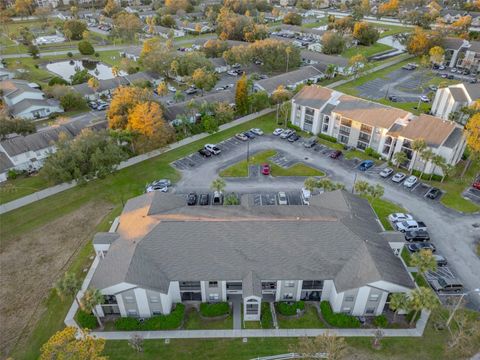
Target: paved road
column 83, row 120
column 452, row 232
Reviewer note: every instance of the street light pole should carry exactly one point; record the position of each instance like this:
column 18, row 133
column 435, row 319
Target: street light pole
column 458, row 304
column 248, row 151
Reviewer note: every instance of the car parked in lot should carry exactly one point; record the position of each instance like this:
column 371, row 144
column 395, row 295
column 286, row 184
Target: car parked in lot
column 217, row 198
column 396, row 217
column 191, row 91
column 393, row 98
column 286, row 133
column 282, row 198
column 433, row 193
column 410, row 182
column 257, row 131
column 441, row 261
column 214, row 149
column 476, row 185
column 241, row 136
column 204, row 152
column 336, row 154
column 171, row 88
column 265, row 168
column 277, row 131
column 386, row 172
column 424, row 99
column 398, row 177
column 151, row 188
column 417, row 235
column 102, row 105
column 407, row 225
column 444, row 284
column 294, row 137
column 310, row 142
column 204, row 199
column 415, row 247
column 365, row 165
column 192, row 199
column 249, row 135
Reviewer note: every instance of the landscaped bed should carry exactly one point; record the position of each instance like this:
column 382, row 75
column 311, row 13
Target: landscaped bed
column 240, row 169
column 307, row 319
column 338, row 320
column 195, row 321
column 158, row 322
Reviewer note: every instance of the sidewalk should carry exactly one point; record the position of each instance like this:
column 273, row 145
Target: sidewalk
column 263, row 333
column 42, row 194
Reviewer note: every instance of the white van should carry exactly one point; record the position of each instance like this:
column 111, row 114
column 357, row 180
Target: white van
column 305, row 195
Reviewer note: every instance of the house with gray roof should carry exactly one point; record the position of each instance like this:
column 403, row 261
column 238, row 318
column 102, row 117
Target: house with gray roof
column 451, row 99
column 106, row 87
column 164, row 252
column 362, row 124
column 24, row 100
column 462, row 53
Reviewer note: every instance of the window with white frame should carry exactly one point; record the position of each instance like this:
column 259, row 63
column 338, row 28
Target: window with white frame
column 213, row 297
column 213, row 284
column 374, row 297
column 326, row 122
column 129, row 299
column 132, row 312
column 154, row 299
column 370, row 310
column 288, row 296
column 347, row 310
column 156, row 312
column 349, row 298
column 289, row 283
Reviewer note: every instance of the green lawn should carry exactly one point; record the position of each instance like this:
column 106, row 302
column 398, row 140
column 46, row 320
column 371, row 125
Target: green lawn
column 366, row 51
column 405, row 254
column 383, row 208
column 309, row 320
column 193, row 321
column 420, row 279
column 391, row 29
column 332, row 145
column 352, row 154
column 51, row 320
column 240, row 169
column 431, row 346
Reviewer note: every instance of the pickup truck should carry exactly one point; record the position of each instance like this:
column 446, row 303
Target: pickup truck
column 408, row 225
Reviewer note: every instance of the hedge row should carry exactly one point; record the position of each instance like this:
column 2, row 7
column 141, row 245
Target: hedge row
column 328, row 138
column 157, row 322
column 338, row 320
column 380, row 321
column 86, row 320
column 290, row 308
column 435, row 177
column 214, row 309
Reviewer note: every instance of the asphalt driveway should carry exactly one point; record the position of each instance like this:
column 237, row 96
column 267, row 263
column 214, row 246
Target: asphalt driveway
column 454, row 234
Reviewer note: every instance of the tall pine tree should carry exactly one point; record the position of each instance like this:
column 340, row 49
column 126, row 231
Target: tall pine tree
column 241, row 95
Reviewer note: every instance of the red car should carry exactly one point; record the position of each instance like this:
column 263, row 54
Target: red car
column 265, row 169
column 476, row 185
column 336, row 154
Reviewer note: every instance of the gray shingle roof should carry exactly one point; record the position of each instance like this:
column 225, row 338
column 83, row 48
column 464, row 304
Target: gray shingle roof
column 336, row 237
column 290, row 78
column 105, row 238
column 458, row 94
column 473, row 90
column 27, row 103
column 454, row 138
column 5, row 162
column 15, row 87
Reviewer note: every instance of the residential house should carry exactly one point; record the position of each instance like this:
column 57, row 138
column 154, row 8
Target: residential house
column 321, row 61
column 24, row 100
column 106, row 88
column 363, row 124
column 6, row 74
column 332, row 250
column 304, row 75
column 5, row 166
column 168, row 32
column 220, row 65
column 449, row 100
column 199, row 27
column 152, row 78
column 132, row 52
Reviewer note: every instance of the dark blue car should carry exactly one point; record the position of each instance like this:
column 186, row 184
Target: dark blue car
column 365, row 165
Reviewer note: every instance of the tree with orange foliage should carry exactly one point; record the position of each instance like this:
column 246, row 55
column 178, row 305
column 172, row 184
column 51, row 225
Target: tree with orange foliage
column 472, row 135
column 124, row 99
column 462, row 24
column 65, row 345
column 388, row 8
column 418, row 42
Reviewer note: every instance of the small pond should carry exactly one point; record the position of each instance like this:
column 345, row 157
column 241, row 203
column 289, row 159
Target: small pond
column 65, row 69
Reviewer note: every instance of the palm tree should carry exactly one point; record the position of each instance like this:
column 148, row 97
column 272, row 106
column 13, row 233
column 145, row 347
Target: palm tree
column 421, row 298
column 400, row 158
column 361, row 187
column 310, row 184
column 326, row 184
column 426, row 156
column 288, row 51
column 330, row 71
column 68, row 286
column 398, row 301
column 376, row 192
column 438, row 161
column 424, row 261
column 447, row 170
column 417, row 146
column 218, row 185
column 91, row 298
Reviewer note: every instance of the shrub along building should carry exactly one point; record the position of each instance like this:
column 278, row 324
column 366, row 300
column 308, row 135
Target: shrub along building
column 364, row 124
column 164, row 252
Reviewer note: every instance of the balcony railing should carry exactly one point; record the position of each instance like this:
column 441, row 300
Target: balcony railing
column 234, row 286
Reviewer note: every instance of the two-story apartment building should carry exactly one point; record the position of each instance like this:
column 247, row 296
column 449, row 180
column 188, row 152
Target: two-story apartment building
column 362, row 124
column 164, row 252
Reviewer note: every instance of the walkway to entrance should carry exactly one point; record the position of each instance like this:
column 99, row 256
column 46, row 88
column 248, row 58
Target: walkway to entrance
column 237, row 311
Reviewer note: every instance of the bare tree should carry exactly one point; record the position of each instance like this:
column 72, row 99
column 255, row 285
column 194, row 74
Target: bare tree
column 330, row 346
column 136, row 342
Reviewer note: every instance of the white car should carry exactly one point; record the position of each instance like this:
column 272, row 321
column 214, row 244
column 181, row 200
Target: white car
column 286, row 134
column 214, row 149
column 386, row 172
column 424, row 99
column 396, row 217
column 282, row 198
column 398, row 177
column 277, row 131
column 232, row 73
column 257, row 131
column 241, row 136
column 171, row 88
column 411, row 180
